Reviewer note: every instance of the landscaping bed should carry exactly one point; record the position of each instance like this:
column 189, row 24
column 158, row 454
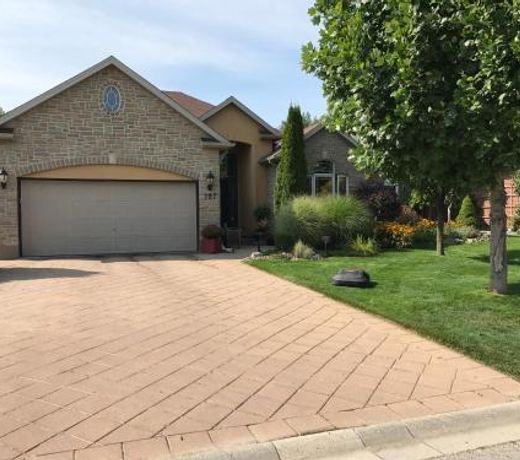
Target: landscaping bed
column 444, row 298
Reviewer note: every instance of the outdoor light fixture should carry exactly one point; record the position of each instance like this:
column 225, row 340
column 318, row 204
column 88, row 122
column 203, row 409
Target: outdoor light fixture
column 3, row 177
column 210, row 179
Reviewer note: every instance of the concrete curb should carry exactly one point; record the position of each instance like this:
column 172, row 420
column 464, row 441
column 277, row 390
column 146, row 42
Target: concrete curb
column 413, row 439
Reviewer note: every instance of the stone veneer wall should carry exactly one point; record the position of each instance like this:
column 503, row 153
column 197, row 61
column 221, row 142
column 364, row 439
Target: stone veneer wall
column 336, row 147
column 73, row 129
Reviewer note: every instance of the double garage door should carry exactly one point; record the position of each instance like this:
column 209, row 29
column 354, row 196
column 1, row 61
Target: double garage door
column 75, row 217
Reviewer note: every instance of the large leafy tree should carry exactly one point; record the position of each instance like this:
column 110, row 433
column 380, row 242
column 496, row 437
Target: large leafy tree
column 491, row 101
column 408, row 78
column 291, row 178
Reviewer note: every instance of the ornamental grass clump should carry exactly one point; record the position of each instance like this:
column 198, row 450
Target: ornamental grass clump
column 309, row 219
column 302, row 251
column 363, row 247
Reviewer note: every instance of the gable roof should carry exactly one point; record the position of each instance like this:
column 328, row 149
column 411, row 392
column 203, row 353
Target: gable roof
column 308, row 132
column 197, row 107
column 214, row 139
column 233, row 101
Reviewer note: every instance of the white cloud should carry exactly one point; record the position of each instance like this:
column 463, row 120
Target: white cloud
column 43, row 42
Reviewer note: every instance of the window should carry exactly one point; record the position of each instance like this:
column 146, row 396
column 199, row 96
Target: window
column 342, row 185
column 323, row 184
column 111, row 99
column 324, row 180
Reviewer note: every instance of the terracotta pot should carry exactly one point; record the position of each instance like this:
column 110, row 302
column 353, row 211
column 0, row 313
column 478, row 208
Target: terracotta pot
column 211, row 246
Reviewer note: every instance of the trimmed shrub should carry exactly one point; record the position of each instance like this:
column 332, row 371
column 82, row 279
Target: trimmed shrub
column 468, row 213
column 302, row 251
column 455, row 231
column 311, row 218
column 364, row 247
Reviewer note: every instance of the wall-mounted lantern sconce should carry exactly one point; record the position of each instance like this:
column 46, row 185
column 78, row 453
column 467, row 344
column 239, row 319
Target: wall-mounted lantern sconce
column 210, row 180
column 3, row 177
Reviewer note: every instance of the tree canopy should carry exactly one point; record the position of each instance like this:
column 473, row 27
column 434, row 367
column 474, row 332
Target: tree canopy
column 429, row 88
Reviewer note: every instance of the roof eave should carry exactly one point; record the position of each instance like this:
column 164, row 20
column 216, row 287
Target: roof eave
column 111, row 60
column 234, row 101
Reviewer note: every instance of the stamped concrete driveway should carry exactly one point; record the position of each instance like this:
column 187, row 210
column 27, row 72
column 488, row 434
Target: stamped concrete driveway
column 143, row 357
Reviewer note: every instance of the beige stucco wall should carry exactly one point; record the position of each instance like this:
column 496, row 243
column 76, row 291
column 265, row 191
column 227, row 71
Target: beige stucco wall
column 237, row 126
column 109, row 172
column 71, row 129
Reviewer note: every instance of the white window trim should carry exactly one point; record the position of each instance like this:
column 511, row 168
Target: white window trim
column 336, row 180
column 346, row 178
column 322, row 175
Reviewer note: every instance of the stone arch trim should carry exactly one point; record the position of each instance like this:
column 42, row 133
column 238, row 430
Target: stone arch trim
column 106, row 160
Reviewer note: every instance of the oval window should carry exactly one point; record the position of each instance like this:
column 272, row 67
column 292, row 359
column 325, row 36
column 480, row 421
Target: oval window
column 111, row 99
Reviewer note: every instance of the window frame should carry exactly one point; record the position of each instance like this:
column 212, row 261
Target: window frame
column 339, row 178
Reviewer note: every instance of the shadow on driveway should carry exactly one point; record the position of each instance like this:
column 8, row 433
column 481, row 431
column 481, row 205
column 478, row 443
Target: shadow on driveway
column 29, row 274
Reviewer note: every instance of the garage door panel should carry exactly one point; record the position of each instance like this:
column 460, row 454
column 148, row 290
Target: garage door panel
column 101, row 217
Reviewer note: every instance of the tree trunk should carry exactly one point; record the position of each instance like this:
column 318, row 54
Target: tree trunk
column 441, row 210
column 498, row 250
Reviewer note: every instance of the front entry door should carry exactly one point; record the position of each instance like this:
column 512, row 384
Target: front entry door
column 229, row 190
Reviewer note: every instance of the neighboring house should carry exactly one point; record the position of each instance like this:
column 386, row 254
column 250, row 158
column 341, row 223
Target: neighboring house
column 330, row 171
column 512, row 203
column 107, row 163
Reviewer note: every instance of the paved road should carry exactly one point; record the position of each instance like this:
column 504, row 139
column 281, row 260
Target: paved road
column 167, row 354
column 510, row 451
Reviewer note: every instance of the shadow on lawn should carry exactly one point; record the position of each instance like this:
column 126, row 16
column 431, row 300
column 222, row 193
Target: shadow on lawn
column 513, row 290
column 370, row 285
column 513, row 257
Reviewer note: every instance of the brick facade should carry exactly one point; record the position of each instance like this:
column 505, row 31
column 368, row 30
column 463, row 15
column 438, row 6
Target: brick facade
column 512, row 203
column 73, row 129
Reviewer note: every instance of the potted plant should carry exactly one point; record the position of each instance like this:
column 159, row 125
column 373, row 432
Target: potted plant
column 211, row 239
column 263, row 216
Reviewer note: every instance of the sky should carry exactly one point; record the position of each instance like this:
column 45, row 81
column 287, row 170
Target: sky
column 250, row 49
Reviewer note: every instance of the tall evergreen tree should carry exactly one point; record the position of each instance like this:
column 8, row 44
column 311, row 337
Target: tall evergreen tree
column 291, row 179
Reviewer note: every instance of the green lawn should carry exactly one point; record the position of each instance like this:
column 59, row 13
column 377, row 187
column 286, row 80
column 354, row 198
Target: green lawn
column 442, row 298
